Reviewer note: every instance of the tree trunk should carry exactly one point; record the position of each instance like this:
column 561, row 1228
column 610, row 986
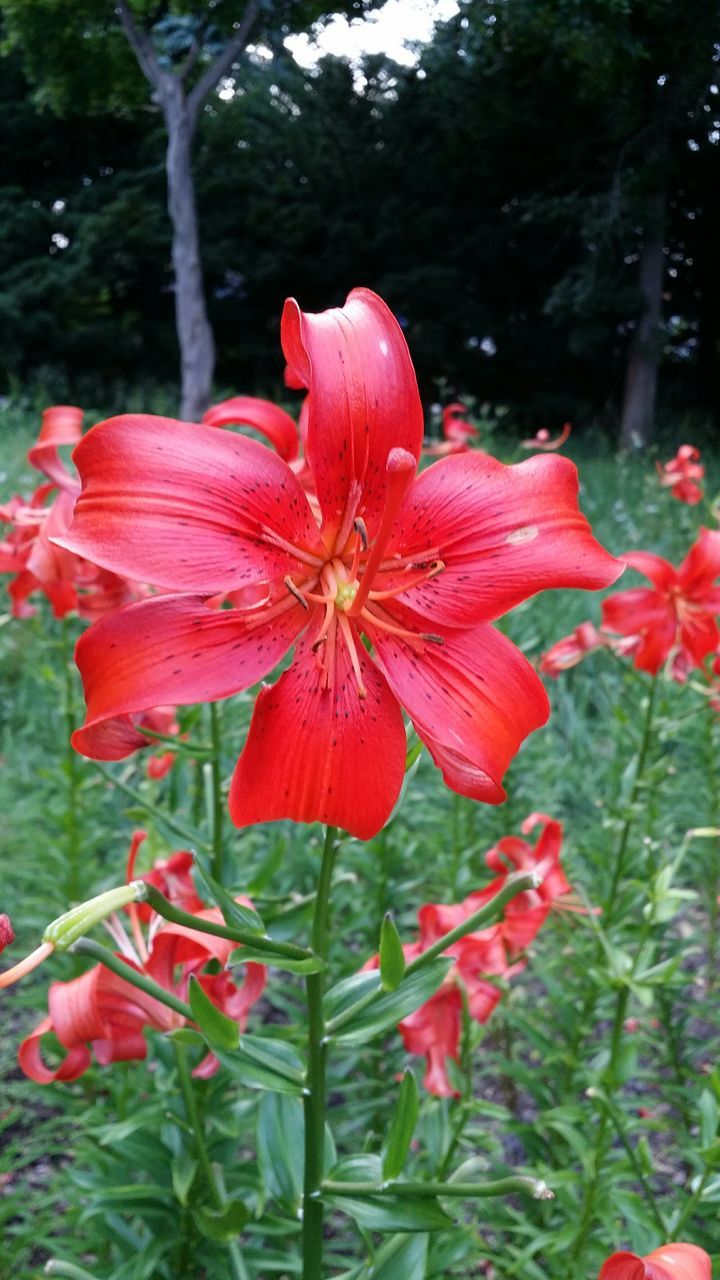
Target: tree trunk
column 197, row 346
column 638, row 410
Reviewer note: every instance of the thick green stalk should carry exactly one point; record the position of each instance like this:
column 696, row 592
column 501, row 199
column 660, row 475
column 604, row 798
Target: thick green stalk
column 631, row 815
column 712, row 946
column 238, row 1268
column 315, row 1099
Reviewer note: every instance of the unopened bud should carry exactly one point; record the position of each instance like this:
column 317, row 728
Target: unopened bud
column 74, row 924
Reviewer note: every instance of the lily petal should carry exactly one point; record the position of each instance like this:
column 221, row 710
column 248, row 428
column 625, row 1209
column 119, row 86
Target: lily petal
column 473, row 700
column 267, row 418
column 170, row 649
column 337, row 758
column 363, row 399
column 179, row 506
column 502, row 532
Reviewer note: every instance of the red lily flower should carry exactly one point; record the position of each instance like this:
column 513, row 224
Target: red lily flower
column 39, row 564
column 677, row 612
column 456, row 430
column 681, row 475
column 571, row 649
column 526, row 914
column 420, row 566
column 100, row 1009
column 671, row 1262
column 172, row 876
column 541, row 440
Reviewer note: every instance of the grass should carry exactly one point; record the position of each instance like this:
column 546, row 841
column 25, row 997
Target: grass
column 532, row 1063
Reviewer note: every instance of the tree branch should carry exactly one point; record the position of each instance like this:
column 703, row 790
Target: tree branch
column 222, row 64
column 141, row 46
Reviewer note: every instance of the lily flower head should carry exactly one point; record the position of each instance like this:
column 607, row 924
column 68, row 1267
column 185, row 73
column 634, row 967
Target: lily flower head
column 678, row 612
column 670, row 1262
column 683, row 474
column 457, row 432
column 415, row 566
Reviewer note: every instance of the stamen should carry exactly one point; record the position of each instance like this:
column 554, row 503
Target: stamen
column 435, row 568
column 361, row 528
column 348, row 521
column 349, row 639
column 27, row 965
column 277, row 541
column 383, row 623
column 414, row 561
column 295, row 591
column 401, row 467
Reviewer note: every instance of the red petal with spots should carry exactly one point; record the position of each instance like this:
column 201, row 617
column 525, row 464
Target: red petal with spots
column 182, row 507
column 170, row 649
column 503, row 534
column 267, row 418
column 473, row 700
column 363, row 399
column 335, row 757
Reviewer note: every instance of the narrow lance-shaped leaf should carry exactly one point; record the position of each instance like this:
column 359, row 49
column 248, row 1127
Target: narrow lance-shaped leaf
column 216, row 1028
column 234, row 913
column 402, row 1127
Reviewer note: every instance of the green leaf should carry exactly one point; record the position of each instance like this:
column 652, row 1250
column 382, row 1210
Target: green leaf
column 392, row 960
column 391, row 1008
column 361, row 1168
column 347, row 993
column 402, row 1128
column 183, row 1169
column 218, row 1030
column 280, row 1139
column 393, row 1213
column 312, row 965
column 223, row 1224
column 262, row 1063
column 407, row 1260
column 234, row 913
column 709, row 1114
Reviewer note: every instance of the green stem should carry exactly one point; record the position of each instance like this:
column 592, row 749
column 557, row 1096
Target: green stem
column 600, row 1147
column 517, row 882
column 691, row 1206
column 86, row 947
column 217, row 814
column 243, row 937
column 618, row 1124
column 463, row 1190
column 631, row 814
column 315, row 1099
column 238, row 1268
column 72, row 819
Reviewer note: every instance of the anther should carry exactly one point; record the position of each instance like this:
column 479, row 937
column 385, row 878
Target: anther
column 431, row 639
column 361, row 528
column 295, row 592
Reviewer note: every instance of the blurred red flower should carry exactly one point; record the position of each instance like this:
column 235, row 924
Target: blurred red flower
column 681, row 475
column 671, row 1262
column 571, row 649
column 420, row 565
column 542, row 440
